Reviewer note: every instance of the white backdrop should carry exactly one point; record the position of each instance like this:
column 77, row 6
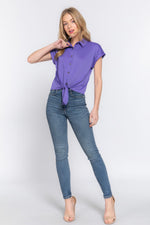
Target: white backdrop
column 122, row 132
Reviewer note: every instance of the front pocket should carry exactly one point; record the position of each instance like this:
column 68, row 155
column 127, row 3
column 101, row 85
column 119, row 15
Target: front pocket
column 76, row 94
column 53, row 92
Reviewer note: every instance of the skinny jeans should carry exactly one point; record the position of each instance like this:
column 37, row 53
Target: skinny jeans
column 77, row 113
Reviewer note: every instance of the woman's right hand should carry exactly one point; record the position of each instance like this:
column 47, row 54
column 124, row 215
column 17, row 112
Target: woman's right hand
column 43, row 53
column 60, row 44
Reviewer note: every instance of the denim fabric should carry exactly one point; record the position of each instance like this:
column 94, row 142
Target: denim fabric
column 77, row 113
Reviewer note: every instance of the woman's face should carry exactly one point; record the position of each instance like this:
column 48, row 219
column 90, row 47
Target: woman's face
column 70, row 26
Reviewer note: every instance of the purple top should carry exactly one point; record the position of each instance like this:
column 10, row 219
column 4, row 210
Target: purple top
column 74, row 66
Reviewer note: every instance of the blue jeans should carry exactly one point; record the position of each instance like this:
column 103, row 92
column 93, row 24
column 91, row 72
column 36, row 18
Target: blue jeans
column 78, row 115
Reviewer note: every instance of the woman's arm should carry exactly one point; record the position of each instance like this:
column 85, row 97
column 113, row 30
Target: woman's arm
column 42, row 54
column 97, row 83
column 97, row 91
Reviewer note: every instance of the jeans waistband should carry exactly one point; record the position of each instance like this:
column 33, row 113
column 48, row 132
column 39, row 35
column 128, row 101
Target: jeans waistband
column 60, row 90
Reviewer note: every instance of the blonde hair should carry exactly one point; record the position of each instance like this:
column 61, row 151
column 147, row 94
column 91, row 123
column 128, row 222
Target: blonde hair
column 81, row 24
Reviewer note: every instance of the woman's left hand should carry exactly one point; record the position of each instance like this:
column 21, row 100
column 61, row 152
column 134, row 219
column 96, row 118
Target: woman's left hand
column 93, row 117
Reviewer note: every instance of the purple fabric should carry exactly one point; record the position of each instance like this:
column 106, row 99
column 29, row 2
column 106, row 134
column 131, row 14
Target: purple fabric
column 74, row 66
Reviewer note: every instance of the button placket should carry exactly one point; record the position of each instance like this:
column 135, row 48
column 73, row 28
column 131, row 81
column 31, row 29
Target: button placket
column 70, row 62
column 65, row 91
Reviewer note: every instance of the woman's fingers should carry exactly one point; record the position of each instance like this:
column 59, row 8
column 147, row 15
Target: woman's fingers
column 67, row 43
column 62, row 44
column 91, row 121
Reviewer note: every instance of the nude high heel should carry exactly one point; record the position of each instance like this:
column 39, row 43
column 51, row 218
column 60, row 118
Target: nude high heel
column 67, row 217
column 113, row 218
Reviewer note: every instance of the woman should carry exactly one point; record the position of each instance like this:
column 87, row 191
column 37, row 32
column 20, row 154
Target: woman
column 75, row 55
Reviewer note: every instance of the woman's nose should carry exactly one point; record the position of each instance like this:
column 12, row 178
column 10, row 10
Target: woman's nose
column 69, row 26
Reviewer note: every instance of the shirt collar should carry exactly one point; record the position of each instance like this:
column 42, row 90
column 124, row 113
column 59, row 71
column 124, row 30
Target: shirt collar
column 82, row 42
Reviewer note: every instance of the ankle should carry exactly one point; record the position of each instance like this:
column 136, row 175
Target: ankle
column 67, row 199
column 109, row 199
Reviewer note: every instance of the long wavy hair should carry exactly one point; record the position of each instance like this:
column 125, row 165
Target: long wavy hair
column 81, row 24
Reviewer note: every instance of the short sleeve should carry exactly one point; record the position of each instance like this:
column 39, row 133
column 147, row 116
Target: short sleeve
column 98, row 53
column 53, row 52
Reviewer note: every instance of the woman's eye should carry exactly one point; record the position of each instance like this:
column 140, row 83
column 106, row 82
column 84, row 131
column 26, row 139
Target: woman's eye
column 66, row 23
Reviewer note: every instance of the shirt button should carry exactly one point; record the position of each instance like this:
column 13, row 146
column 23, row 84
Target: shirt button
column 68, row 72
column 71, row 55
column 66, row 83
column 69, row 63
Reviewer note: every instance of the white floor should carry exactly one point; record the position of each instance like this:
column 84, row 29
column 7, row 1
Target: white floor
column 42, row 204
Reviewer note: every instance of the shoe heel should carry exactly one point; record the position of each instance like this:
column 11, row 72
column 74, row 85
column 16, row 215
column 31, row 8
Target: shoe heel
column 74, row 199
column 113, row 198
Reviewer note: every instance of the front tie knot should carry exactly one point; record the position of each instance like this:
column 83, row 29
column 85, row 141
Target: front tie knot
column 65, row 96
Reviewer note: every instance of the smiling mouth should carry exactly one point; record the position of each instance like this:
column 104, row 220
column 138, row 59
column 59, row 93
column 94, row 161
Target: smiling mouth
column 71, row 31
